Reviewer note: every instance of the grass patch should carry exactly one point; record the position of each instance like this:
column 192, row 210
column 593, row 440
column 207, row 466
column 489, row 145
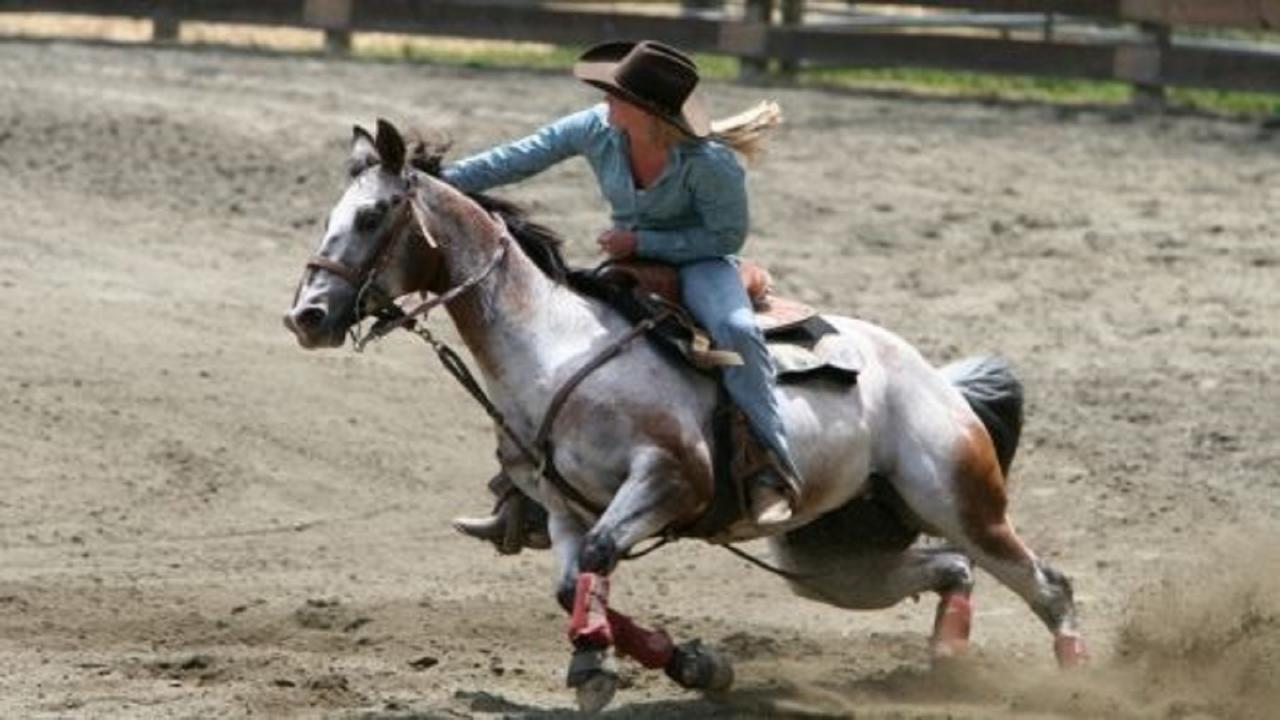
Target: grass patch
column 1231, row 103
column 970, row 84
column 1038, row 89
column 463, row 53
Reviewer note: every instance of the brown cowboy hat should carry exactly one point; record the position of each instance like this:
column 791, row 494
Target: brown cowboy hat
column 647, row 73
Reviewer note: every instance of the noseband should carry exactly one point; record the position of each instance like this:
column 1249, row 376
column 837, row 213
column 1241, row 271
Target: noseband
column 362, row 277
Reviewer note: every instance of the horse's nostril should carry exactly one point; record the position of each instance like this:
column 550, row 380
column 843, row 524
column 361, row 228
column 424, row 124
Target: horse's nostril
column 309, row 318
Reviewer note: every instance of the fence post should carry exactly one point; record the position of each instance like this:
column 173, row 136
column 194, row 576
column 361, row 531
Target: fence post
column 1149, row 92
column 792, row 16
column 756, row 12
column 334, row 17
column 165, row 22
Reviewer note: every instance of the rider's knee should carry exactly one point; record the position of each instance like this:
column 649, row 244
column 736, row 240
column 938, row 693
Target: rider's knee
column 736, row 329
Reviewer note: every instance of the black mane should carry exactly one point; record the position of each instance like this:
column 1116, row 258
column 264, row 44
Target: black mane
column 539, row 242
column 542, row 246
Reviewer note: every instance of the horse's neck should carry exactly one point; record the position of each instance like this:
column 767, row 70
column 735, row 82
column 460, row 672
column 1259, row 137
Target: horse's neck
column 522, row 327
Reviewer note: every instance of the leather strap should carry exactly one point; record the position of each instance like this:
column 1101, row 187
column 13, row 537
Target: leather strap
column 345, row 272
column 608, row 353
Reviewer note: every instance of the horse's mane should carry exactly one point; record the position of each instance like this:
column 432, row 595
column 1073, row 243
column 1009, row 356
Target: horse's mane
column 539, row 242
column 542, row 246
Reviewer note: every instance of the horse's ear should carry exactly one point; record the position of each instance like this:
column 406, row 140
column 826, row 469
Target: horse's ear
column 390, row 147
column 364, row 151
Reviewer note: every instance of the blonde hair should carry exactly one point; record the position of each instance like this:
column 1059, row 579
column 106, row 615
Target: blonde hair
column 743, row 133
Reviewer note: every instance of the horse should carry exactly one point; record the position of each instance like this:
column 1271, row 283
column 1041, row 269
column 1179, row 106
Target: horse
column 632, row 443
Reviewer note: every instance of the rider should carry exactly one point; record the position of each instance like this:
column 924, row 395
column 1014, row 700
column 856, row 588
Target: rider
column 677, row 195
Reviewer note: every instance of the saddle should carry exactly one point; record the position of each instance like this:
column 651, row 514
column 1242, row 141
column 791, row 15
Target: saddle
column 793, row 331
column 804, row 348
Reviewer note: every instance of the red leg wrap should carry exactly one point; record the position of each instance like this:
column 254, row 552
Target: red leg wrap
column 650, row 648
column 589, row 624
column 1070, row 650
column 951, row 624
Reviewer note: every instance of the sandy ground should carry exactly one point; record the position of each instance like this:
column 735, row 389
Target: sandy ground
column 199, row 519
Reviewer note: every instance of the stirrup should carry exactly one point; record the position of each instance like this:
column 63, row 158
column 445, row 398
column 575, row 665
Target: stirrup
column 772, row 493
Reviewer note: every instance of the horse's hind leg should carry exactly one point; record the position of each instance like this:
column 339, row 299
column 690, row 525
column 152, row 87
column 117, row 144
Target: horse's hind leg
column 973, row 516
column 997, row 549
column 861, row 557
column 857, row 578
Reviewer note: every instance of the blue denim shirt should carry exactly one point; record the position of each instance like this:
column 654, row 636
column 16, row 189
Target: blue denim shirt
column 696, row 209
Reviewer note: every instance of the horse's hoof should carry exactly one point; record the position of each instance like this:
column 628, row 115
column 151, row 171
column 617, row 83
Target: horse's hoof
column 592, row 675
column 697, row 667
column 596, row 691
column 1070, row 651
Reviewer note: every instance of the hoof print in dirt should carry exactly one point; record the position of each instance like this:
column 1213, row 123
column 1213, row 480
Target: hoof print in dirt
column 325, row 614
column 200, row 667
column 426, row 662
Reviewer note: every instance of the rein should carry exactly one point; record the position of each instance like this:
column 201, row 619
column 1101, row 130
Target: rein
column 539, row 454
column 456, row 367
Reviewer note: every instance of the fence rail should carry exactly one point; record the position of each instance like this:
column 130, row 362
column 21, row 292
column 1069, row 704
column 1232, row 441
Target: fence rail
column 1135, row 41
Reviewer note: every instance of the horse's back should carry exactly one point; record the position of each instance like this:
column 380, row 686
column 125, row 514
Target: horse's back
column 902, row 411
column 902, row 381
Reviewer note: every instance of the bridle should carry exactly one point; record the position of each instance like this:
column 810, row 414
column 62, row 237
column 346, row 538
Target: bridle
column 363, row 278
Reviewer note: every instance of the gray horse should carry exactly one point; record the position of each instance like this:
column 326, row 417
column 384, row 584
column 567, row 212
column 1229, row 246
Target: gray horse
column 633, row 445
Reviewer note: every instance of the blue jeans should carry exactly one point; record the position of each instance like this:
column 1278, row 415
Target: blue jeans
column 713, row 293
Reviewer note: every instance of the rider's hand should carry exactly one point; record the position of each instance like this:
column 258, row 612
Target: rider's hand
column 617, row 243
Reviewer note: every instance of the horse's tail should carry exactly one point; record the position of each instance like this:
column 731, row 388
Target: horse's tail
column 745, row 132
column 995, row 395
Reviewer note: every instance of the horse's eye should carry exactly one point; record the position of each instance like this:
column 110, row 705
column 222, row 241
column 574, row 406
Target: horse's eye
column 369, row 219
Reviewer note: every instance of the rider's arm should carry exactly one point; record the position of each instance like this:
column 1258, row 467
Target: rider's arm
column 719, row 199
column 527, row 156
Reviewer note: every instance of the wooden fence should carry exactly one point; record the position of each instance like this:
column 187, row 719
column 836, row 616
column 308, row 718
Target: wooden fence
column 1152, row 44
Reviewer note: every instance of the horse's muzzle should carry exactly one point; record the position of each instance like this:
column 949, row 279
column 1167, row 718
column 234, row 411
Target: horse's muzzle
column 314, row 327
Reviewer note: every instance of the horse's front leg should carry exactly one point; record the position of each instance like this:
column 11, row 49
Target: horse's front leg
column 654, row 496
column 591, row 672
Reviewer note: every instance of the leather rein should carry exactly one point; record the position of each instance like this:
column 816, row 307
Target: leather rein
column 391, row 317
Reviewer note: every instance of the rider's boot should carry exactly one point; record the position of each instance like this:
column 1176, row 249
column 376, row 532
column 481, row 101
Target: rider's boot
column 517, row 522
column 773, row 492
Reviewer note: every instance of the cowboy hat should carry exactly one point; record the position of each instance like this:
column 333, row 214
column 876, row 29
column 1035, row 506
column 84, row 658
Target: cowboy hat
column 647, row 73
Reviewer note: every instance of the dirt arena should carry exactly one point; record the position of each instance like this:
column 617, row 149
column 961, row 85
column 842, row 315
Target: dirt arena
column 199, row 519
